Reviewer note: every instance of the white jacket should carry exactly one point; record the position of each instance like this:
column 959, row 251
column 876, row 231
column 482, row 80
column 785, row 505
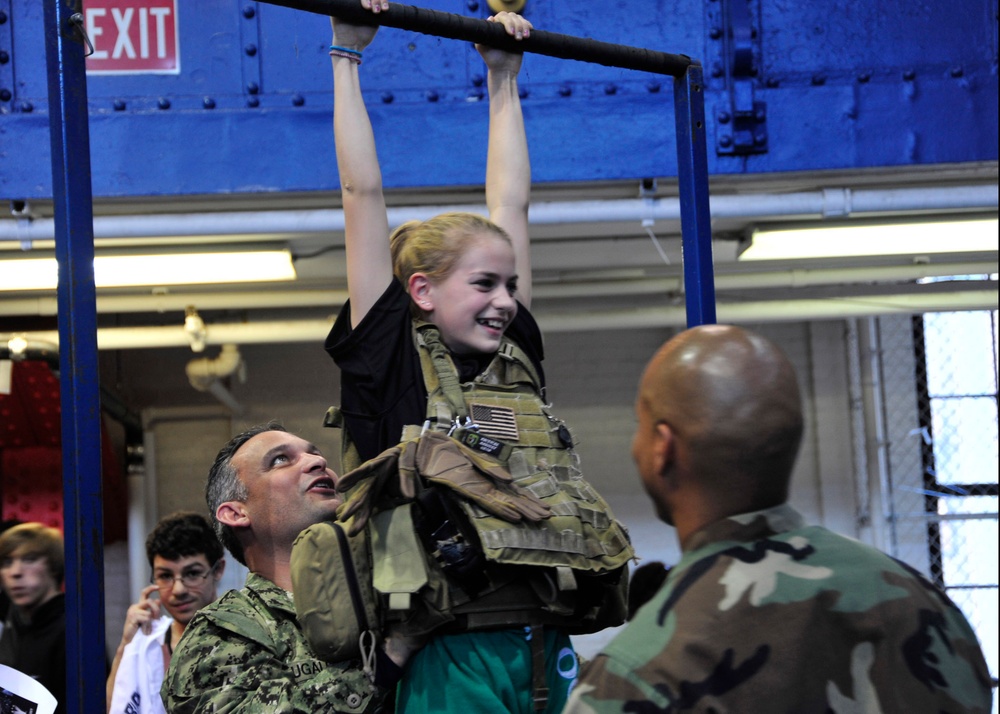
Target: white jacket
column 140, row 673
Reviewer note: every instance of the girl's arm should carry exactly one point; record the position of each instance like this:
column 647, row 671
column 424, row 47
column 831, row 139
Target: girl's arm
column 508, row 170
column 366, row 226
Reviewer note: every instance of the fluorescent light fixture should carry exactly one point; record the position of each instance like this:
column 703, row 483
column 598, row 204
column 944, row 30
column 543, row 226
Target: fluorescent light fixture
column 119, row 271
column 873, row 239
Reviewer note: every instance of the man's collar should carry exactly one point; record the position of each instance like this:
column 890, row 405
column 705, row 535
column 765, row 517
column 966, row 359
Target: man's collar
column 747, row 526
column 272, row 595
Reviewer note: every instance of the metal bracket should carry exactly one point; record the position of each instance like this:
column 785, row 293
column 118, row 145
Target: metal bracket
column 741, row 122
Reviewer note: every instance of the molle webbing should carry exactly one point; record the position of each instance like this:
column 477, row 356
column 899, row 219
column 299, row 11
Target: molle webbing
column 581, row 533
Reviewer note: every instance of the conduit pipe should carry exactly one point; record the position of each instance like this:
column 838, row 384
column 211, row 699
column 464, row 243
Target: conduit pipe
column 273, row 332
column 631, row 283
column 204, row 374
column 825, row 203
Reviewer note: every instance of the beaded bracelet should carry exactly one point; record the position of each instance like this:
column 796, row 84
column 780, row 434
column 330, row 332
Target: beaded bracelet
column 346, row 53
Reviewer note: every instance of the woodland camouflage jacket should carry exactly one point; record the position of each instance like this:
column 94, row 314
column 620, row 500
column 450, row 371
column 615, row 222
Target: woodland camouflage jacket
column 766, row 614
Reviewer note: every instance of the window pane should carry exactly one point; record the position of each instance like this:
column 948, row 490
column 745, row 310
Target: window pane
column 951, row 505
column 969, row 552
column 960, row 353
column 965, row 439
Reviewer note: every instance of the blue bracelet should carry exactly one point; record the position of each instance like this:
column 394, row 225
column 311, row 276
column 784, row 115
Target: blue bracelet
column 344, row 49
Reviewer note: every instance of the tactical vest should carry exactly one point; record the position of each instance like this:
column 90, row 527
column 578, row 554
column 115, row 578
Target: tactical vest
column 442, row 562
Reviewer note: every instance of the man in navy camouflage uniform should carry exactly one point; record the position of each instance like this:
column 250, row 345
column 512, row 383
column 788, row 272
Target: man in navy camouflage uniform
column 764, row 613
column 246, row 651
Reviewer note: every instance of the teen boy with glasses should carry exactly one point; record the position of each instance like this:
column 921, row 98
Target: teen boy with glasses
column 187, row 562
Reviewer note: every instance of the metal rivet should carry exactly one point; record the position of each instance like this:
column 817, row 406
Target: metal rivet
column 119, row 105
column 772, row 82
column 250, row 49
column 522, row 92
column 472, row 5
column 864, row 77
column 249, row 12
column 957, row 72
column 477, row 80
column 652, row 87
column 819, row 80
column 474, row 94
column 717, row 69
column 3, row 17
column 298, row 100
column 715, row 33
column 208, row 103
column 725, row 141
column 27, row 107
column 430, row 95
column 724, row 117
column 387, row 97
column 759, row 138
column 909, row 75
column 252, row 101
column 760, row 114
column 164, row 103
column 565, row 91
column 4, row 57
column 252, row 88
column 610, row 89
column 5, row 95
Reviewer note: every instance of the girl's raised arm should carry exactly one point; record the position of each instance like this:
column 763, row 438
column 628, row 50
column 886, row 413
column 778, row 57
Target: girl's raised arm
column 366, row 226
column 508, row 170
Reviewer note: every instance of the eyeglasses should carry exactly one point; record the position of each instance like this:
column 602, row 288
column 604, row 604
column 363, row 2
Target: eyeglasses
column 192, row 578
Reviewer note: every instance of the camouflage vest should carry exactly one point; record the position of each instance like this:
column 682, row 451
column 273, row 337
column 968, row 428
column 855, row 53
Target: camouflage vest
column 501, row 412
column 466, row 569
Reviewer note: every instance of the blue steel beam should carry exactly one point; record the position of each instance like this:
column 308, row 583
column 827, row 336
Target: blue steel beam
column 692, row 177
column 78, row 376
column 880, row 84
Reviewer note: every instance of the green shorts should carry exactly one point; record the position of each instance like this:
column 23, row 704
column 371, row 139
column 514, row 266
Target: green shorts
column 485, row 673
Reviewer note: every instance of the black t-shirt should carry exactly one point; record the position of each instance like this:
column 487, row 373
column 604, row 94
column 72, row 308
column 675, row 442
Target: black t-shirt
column 38, row 647
column 382, row 387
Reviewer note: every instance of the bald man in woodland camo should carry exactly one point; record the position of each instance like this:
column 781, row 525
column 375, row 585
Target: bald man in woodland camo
column 765, row 613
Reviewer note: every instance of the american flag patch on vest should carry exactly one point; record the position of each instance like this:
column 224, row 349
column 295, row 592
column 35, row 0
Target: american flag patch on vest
column 496, row 422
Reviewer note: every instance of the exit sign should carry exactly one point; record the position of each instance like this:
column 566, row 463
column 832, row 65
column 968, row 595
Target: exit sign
column 132, row 36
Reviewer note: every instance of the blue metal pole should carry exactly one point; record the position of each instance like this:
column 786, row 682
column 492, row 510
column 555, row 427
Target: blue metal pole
column 692, row 177
column 86, row 662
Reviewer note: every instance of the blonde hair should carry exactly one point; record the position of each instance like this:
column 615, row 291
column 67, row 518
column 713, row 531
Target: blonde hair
column 433, row 247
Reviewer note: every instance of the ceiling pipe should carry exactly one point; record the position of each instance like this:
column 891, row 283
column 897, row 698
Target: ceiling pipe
column 825, row 203
column 278, row 332
column 631, row 283
column 205, row 373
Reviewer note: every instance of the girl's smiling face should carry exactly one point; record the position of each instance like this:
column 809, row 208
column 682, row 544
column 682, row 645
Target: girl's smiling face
column 473, row 305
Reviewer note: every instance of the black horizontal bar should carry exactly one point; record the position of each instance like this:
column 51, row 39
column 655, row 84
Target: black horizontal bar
column 471, row 29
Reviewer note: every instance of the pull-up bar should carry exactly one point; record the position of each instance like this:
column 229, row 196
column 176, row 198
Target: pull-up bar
column 470, row 29
column 689, row 110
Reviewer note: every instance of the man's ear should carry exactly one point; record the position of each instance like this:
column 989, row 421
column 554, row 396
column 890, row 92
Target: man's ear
column 421, row 291
column 664, row 448
column 232, row 514
column 220, row 569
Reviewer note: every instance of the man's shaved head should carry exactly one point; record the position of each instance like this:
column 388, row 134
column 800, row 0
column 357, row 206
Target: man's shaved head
column 733, row 398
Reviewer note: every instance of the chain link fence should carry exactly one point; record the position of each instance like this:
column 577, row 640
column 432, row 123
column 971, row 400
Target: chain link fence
column 936, row 379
